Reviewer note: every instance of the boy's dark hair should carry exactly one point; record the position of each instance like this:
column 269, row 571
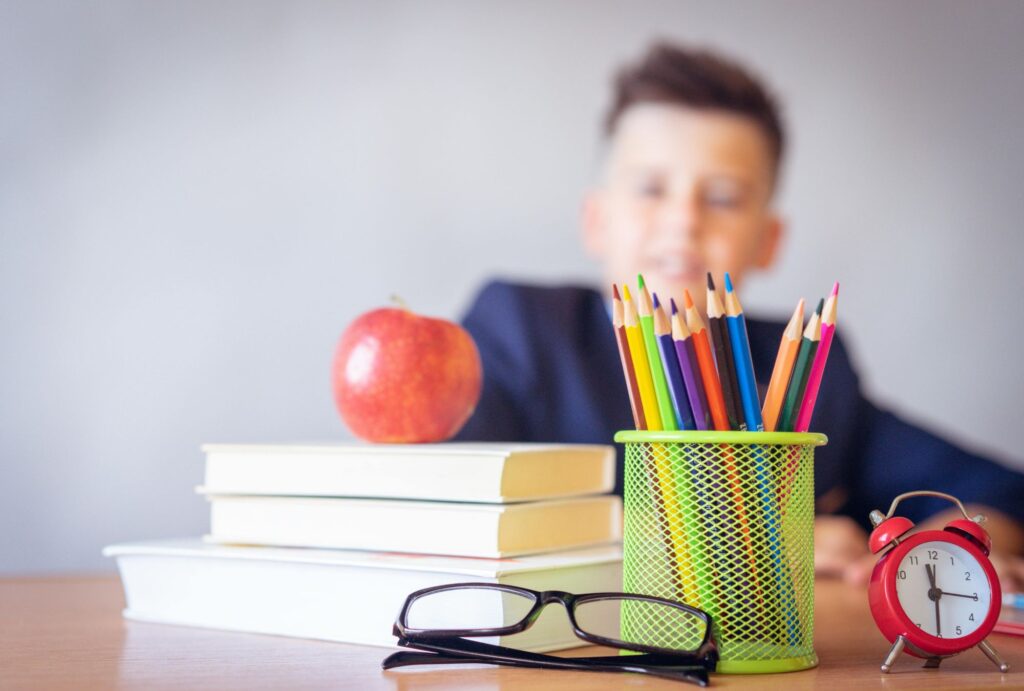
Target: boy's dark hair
column 671, row 74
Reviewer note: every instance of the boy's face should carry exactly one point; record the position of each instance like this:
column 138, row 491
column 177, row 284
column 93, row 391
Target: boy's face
column 684, row 192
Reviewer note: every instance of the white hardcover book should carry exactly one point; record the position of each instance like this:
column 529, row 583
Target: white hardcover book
column 426, row 527
column 482, row 472
column 334, row 595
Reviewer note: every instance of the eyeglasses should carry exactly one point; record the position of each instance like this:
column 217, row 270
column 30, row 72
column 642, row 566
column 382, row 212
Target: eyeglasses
column 670, row 639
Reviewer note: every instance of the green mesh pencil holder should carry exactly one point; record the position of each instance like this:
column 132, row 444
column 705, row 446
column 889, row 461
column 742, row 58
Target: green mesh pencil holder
column 724, row 521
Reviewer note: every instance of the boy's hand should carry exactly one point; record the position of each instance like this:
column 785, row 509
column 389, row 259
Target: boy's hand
column 1010, row 569
column 841, row 549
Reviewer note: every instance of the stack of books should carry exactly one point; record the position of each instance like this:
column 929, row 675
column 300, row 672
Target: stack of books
column 326, row 541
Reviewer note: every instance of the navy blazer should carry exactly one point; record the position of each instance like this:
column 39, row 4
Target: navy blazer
column 552, row 374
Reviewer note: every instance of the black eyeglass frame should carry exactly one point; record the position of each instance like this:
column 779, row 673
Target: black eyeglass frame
column 455, row 650
column 706, row 650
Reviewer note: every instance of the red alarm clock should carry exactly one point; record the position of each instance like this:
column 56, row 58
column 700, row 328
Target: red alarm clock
column 933, row 593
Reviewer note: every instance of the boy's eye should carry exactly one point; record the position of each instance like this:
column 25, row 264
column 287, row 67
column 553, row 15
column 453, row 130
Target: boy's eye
column 723, row 195
column 650, row 189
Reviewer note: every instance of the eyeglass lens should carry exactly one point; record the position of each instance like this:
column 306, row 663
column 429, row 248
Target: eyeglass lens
column 642, row 622
column 468, row 608
column 625, row 620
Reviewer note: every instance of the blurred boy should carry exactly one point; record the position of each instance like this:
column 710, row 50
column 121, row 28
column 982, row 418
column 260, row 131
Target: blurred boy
column 695, row 146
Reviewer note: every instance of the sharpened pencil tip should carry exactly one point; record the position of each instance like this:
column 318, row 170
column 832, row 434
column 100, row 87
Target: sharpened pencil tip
column 711, row 282
column 625, row 293
column 672, row 301
column 728, row 282
column 835, row 289
column 656, row 303
column 821, row 306
column 615, row 291
column 687, row 300
column 640, row 281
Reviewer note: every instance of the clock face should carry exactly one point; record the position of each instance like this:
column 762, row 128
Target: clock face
column 943, row 589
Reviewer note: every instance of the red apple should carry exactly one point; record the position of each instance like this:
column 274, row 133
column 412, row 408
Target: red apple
column 401, row 377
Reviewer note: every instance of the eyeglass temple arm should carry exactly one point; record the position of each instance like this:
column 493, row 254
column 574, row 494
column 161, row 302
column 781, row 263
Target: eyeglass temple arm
column 404, row 658
column 456, row 645
column 665, row 666
column 692, row 673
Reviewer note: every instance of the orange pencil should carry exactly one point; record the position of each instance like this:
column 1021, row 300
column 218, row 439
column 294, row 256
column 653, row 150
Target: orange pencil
column 712, row 385
column 720, row 418
column 628, row 371
column 783, row 370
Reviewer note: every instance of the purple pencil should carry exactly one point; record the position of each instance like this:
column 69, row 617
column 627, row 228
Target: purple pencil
column 687, row 354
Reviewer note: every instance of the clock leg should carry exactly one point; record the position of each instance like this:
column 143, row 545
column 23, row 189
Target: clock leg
column 991, row 654
column 932, row 663
column 894, row 652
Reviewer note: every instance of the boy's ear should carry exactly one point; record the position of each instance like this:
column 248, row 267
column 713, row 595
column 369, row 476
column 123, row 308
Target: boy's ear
column 771, row 240
column 592, row 223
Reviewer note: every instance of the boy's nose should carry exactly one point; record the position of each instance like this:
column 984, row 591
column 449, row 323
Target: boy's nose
column 681, row 218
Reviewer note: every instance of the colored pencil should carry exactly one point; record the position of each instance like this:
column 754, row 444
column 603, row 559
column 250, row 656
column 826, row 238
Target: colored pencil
column 642, row 369
column 688, row 485
column 662, row 485
column 706, row 360
column 828, row 328
column 663, row 501
column 674, row 376
column 678, row 536
column 628, row 371
column 737, row 324
column 655, row 474
column 646, row 310
column 723, row 355
column 713, row 389
column 797, row 383
column 687, row 355
column 680, row 532
column 783, row 370
column 770, row 518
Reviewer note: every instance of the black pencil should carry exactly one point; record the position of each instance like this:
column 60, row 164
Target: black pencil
column 723, row 355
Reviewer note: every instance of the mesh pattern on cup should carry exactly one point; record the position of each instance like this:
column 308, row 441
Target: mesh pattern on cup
column 660, row 625
column 728, row 528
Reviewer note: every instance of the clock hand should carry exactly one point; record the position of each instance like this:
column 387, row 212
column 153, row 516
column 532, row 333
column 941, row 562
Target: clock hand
column 934, row 594
column 969, row 597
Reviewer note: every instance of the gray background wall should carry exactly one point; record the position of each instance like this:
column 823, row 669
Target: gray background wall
column 195, row 198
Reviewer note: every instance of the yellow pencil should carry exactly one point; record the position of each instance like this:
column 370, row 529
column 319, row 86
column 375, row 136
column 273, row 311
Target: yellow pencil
column 642, row 367
column 663, row 484
column 661, row 395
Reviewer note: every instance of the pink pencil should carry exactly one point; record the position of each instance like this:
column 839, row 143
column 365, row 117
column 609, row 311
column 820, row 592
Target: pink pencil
column 828, row 328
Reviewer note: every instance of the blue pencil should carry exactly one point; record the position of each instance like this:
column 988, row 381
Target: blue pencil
column 670, row 363
column 737, row 325
column 744, row 364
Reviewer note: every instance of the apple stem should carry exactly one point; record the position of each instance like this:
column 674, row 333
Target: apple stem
column 400, row 302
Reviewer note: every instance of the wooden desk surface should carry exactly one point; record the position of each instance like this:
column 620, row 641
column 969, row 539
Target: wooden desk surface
column 67, row 633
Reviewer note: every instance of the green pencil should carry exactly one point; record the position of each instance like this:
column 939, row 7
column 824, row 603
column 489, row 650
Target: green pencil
column 798, row 382
column 668, row 415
